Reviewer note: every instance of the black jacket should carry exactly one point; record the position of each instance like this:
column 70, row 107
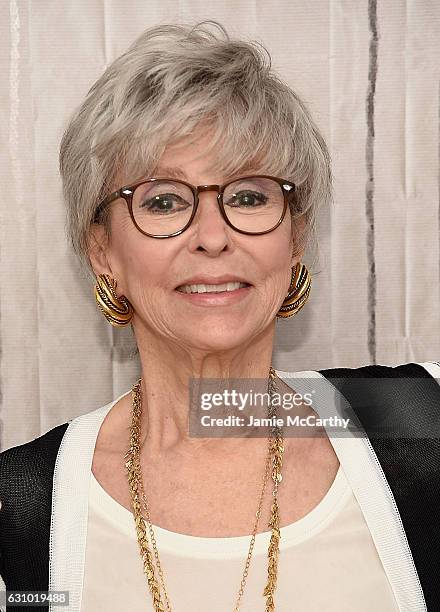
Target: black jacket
column 411, row 466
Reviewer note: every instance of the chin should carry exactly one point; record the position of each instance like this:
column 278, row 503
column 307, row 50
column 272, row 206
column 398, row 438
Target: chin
column 218, row 338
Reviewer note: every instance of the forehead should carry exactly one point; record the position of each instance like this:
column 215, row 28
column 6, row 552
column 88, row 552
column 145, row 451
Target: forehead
column 191, row 156
column 197, row 158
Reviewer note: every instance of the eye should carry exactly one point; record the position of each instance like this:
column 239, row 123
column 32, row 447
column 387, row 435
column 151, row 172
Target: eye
column 164, row 203
column 247, row 199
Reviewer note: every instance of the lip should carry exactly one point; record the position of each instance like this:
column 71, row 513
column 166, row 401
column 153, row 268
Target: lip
column 213, row 280
column 223, row 298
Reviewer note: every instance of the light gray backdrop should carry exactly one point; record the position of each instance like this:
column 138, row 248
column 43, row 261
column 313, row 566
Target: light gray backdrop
column 369, row 72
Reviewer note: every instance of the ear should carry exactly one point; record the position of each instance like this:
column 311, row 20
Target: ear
column 295, row 256
column 97, row 250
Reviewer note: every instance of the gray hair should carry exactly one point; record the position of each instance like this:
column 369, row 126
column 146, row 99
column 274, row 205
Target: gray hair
column 171, row 80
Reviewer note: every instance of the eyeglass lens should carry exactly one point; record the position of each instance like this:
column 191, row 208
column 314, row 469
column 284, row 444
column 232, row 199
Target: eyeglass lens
column 164, row 206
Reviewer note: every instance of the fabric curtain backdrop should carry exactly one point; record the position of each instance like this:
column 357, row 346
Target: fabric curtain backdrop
column 369, row 73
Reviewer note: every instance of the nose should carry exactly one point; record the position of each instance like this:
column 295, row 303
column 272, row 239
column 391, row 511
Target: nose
column 210, row 229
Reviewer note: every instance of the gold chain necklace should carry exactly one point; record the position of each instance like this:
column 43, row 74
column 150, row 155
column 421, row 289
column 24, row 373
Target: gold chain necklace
column 275, row 450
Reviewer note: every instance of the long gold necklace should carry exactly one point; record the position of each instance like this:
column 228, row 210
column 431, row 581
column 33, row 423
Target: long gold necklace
column 275, row 451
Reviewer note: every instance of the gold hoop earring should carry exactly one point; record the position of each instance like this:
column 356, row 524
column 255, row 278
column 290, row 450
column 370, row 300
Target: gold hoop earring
column 117, row 310
column 299, row 291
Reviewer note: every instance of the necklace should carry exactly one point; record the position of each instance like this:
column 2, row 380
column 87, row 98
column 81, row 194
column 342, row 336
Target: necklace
column 138, row 497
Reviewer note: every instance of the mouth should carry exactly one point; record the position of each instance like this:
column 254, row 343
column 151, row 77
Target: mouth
column 227, row 287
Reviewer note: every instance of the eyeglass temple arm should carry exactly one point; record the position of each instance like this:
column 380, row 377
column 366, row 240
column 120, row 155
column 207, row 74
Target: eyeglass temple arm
column 110, row 198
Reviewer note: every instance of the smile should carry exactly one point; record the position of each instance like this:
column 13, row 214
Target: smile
column 220, row 288
column 209, row 296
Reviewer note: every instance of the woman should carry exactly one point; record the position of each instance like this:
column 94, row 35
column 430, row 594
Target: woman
column 192, row 177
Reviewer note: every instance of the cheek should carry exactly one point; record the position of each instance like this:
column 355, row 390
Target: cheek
column 142, row 269
column 275, row 249
column 274, row 262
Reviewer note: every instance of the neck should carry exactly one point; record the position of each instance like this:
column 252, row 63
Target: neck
column 174, row 374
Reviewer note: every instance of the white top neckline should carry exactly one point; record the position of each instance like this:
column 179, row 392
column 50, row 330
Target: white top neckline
column 321, row 515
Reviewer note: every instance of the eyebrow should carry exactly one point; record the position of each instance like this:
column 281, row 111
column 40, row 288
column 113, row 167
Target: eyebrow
column 175, row 172
column 179, row 173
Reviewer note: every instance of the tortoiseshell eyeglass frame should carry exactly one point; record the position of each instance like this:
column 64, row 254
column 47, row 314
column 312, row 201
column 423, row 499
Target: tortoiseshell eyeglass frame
column 126, row 192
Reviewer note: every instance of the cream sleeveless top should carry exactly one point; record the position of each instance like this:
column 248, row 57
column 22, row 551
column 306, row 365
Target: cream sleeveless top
column 328, row 562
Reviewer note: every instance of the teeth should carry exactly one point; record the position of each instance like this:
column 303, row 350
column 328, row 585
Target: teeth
column 210, row 288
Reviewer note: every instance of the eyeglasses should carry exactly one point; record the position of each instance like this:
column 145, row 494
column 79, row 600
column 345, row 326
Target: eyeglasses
column 162, row 207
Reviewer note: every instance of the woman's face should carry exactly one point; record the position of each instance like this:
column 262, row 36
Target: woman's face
column 149, row 270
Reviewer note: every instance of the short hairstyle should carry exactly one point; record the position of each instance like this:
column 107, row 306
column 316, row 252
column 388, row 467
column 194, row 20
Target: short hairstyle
column 171, row 80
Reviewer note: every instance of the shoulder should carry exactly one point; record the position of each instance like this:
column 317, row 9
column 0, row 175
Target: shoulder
column 427, row 369
column 393, row 402
column 26, row 482
column 41, row 444
column 399, row 409
column 397, row 393
column 32, row 461
column 396, row 410
column 414, row 378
